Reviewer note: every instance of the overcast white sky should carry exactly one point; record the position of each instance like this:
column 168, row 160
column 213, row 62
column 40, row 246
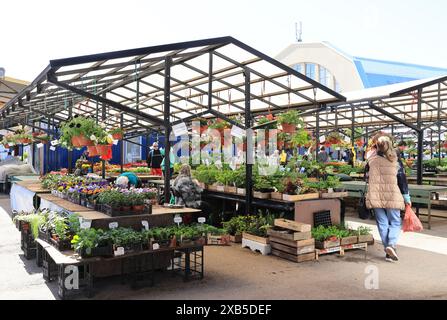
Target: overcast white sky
column 34, row 32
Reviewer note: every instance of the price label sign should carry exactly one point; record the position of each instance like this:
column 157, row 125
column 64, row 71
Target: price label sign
column 52, row 148
column 119, row 251
column 145, row 224
column 180, row 129
column 155, row 246
column 39, row 145
column 347, row 139
column 113, row 225
column 54, row 142
column 115, row 142
column 322, row 139
column 178, row 219
column 201, row 220
column 86, row 224
column 237, row 132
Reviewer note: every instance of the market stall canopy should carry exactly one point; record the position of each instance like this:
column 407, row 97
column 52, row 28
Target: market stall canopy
column 9, row 88
column 204, row 77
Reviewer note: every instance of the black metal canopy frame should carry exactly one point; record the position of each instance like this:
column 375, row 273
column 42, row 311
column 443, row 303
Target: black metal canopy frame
column 150, row 89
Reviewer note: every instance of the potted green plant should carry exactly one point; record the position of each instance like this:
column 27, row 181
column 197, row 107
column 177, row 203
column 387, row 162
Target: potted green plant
column 326, row 237
column 262, row 187
column 364, row 235
column 236, row 226
column 255, row 236
column 92, row 243
column 289, row 121
column 239, row 180
column 137, row 202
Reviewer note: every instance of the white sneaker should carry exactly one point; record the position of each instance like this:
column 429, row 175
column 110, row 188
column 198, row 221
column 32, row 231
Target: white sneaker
column 391, row 252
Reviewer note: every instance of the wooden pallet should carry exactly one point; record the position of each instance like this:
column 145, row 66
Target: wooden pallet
column 292, row 225
column 342, row 249
column 288, row 234
column 294, row 258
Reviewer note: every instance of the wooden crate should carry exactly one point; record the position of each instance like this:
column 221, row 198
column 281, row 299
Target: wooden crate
column 288, row 234
column 292, row 257
column 229, row 189
column 261, row 195
column 332, row 195
column 293, row 247
column 276, row 195
column 241, row 191
column 254, row 238
column 211, row 187
column 220, row 240
column 327, row 244
column 369, row 239
column 292, row 225
column 202, row 185
column 349, row 240
column 300, row 197
column 220, row 188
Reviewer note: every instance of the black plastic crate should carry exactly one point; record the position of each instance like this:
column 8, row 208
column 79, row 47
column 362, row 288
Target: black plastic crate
column 63, row 245
column 106, row 251
column 49, row 267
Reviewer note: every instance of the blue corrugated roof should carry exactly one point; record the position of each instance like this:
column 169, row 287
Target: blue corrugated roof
column 376, row 73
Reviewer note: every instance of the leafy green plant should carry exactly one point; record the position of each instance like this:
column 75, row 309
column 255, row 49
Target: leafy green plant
column 237, row 225
column 259, row 225
column 290, row 117
column 271, row 123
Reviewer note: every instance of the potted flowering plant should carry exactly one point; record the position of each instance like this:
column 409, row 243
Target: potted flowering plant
column 137, row 200
column 80, row 132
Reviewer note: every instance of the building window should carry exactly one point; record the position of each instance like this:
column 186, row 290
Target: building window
column 132, row 150
column 310, row 70
column 337, row 86
column 298, row 68
column 323, row 76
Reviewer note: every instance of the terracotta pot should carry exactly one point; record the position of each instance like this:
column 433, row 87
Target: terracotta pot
column 288, row 128
column 24, row 141
column 92, row 151
column 7, row 146
column 103, row 149
column 84, row 141
column 117, row 136
column 126, row 209
column 203, row 129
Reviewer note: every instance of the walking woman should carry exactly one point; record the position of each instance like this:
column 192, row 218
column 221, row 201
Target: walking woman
column 387, row 193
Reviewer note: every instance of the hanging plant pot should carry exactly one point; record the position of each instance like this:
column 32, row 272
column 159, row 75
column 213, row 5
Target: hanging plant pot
column 104, row 151
column 92, row 151
column 117, row 136
column 359, row 143
column 81, row 141
column 24, row 141
column 203, row 129
column 445, row 145
column 288, row 128
column 280, row 144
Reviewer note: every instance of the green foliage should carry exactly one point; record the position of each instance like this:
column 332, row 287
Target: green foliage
column 290, row 117
column 237, row 225
column 272, row 124
column 87, row 239
column 300, row 138
column 259, row 225
column 206, row 174
column 81, row 125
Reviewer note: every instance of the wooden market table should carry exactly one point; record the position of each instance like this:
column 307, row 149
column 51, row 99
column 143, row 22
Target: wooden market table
column 24, row 195
column 437, row 181
column 143, row 177
column 420, row 194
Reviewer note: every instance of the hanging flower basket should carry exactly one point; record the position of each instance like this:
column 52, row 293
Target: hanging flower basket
column 24, row 141
column 359, row 143
column 81, row 141
column 288, row 128
column 117, row 136
column 104, row 151
column 92, row 151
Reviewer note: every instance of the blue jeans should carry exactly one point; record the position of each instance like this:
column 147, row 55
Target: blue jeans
column 389, row 224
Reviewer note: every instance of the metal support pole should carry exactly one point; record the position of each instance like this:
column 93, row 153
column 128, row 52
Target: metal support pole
column 47, row 160
column 210, row 81
column 103, row 118
column 439, row 123
column 431, row 144
column 56, row 153
column 392, row 130
column 33, row 147
column 317, row 133
column 70, row 152
column 121, row 144
column 249, row 156
column 353, row 131
column 167, row 111
column 420, row 139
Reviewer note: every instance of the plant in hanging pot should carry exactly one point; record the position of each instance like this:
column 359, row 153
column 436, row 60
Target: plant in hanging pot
column 117, row 133
column 23, row 138
column 80, row 132
column 290, row 121
column 282, row 138
column 41, row 137
column 300, row 138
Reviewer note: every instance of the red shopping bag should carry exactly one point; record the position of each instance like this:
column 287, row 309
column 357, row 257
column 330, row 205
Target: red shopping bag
column 411, row 221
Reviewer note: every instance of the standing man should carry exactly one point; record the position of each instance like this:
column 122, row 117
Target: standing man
column 154, row 159
column 322, row 155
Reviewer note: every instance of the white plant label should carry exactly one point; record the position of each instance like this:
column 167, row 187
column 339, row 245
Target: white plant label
column 347, row 139
column 119, row 251
column 115, row 142
column 322, row 139
column 178, row 219
column 86, row 224
column 180, row 129
column 237, row 132
column 145, row 224
column 39, row 145
column 113, row 225
column 54, row 142
column 155, row 246
column 53, row 148
column 201, row 220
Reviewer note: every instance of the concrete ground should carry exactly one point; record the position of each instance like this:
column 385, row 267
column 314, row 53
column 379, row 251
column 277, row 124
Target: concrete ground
column 236, row 273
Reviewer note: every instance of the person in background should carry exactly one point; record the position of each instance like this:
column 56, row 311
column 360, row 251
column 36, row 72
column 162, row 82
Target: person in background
column 171, row 163
column 154, row 160
column 187, row 192
column 322, row 155
column 387, row 193
column 401, row 148
column 128, row 179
